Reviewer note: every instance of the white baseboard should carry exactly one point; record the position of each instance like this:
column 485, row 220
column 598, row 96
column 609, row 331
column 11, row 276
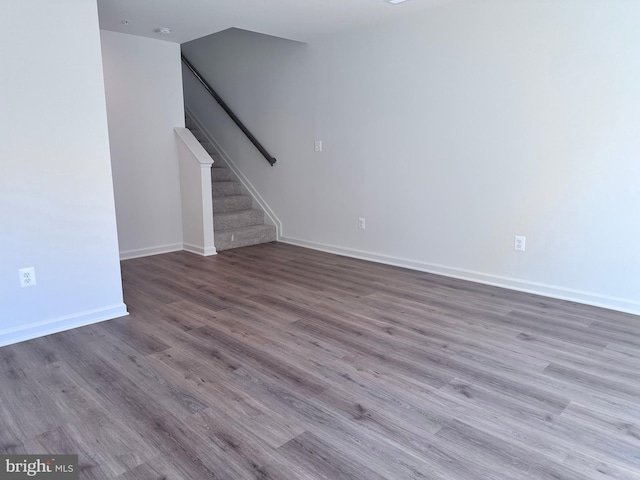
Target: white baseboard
column 199, row 250
column 60, row 324
column 146, row 252
column 552, row 291
column 175, row 247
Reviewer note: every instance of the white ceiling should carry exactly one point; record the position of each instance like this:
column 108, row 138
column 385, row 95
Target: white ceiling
column 299, row 20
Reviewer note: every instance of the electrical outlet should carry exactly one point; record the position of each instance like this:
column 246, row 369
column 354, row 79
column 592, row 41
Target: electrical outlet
column 317, row 146
column 27, row 277
column 361, row 223
column 520, row 243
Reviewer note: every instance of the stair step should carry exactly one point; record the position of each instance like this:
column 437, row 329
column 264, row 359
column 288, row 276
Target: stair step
column 221, row 189
column 220, row 174
column 245, row 236
column 241, row 218
column 199, row 135
column 231, row 203
column 236, row 222
column 208, row 146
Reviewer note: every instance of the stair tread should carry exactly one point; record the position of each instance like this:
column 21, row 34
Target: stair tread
column 236, row 212
column 220, row 174
column 229, row 203
column 244, row 236
column 238, row 218
column 234, row 196
column 250, row 228
column 226, row 188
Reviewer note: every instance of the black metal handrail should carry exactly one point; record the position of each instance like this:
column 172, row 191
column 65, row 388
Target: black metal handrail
column 226, row 108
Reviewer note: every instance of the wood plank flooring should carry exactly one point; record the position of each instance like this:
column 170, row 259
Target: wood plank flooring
column 277, row 362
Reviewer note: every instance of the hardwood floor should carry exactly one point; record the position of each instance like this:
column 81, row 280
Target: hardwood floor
column 277, row 362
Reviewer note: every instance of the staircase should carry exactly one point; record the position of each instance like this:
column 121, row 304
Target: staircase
column 236, row 223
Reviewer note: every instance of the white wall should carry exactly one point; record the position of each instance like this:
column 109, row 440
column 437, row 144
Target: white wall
column 451, row 132
column 56, row 197
column 144, row 103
